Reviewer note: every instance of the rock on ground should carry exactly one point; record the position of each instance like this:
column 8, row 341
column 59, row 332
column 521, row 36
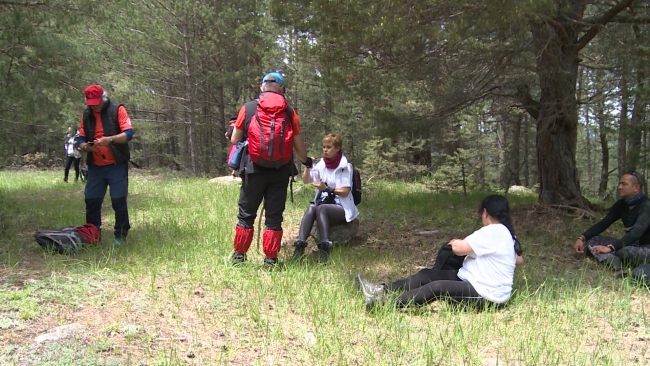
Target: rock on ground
column 339, row 234
column 59, row 333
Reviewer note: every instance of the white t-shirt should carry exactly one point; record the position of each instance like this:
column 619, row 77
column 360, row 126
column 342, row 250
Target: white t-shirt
column 337, row 178
column 491, row 268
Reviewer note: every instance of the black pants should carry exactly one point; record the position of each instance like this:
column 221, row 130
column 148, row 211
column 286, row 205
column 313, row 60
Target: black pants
column 324, row 215
column 269, row 185
column 432, row 284
column 68, row 163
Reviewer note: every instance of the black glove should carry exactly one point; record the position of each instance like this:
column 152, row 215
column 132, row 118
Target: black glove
column 309, row 163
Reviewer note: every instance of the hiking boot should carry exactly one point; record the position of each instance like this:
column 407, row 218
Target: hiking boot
column 270, row 263
column 300, row 246
column 238, row 258
column 325, row 248
column 119, row 242
column 373, row 293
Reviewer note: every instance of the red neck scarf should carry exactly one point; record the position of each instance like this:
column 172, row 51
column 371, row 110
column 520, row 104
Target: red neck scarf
column 333, row 163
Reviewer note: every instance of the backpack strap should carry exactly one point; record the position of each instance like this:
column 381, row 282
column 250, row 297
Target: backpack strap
column 251, row 110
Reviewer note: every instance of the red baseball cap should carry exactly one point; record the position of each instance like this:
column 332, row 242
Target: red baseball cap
column 93, row 95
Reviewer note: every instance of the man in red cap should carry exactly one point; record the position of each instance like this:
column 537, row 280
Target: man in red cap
column 104, row 134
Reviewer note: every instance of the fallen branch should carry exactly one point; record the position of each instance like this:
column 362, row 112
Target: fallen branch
column 576, row 209
column 172, row 339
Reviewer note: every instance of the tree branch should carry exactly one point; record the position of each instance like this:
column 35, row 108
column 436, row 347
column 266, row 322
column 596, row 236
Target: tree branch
column 601, row 21
column 529, row 103
column 23, row 3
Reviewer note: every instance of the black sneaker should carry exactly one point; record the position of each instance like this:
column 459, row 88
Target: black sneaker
column 325, row 248
column 238, row 258
column 300, row 246
column 271, row 263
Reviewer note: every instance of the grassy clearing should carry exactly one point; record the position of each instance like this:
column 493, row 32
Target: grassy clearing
column 170, row 296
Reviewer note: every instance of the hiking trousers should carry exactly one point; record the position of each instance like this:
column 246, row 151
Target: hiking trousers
column 115, row 176
column 69, row 160
column 269, row 185
column 431, row 284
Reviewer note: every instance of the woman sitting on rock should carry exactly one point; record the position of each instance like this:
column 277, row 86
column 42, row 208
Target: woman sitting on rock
column 487, row 274
column 333, row 203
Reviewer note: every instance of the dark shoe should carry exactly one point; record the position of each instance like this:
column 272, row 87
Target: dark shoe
column 372, row 293
column 270, row 263
column 325, row 248
column 238, row 258
column 300, row 246
column 119, row 242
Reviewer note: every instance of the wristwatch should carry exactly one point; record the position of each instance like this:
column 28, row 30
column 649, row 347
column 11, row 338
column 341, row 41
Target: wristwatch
column 111, row 139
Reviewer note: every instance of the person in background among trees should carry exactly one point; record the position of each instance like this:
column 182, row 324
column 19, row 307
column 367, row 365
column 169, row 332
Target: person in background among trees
column 104, row 134
column 633, row 209
column 73, row 155
column 487, row 273
column 231, row 128
column 333, row 203
column 266, row 184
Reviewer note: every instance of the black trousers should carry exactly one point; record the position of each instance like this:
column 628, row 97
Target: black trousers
column 432, row 284
column 69, row 160
column 324, row 215
column 269, row 185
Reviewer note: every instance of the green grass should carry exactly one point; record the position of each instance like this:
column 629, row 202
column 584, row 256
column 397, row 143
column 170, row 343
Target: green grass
column 171, row 297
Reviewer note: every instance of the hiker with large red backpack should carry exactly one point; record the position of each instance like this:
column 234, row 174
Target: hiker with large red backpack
column 271, row 130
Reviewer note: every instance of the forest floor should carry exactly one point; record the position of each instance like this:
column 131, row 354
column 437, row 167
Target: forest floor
column 148, row 306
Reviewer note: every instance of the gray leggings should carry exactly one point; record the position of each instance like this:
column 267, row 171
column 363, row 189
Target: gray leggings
column 324, row 215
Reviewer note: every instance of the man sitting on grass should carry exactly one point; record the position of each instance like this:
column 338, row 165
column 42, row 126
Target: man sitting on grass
column 633, row 249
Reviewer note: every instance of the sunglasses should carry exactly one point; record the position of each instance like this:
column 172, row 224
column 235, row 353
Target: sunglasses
column 635, row 175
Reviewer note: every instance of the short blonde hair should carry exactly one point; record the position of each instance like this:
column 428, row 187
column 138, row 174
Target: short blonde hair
column 335, row 139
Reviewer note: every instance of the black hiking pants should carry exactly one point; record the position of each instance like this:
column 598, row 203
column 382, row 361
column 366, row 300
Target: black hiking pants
column 69, row 160
column 432, row 284
column 269, row 185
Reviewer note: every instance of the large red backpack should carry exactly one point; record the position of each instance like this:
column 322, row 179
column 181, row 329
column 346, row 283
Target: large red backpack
column 269, row 129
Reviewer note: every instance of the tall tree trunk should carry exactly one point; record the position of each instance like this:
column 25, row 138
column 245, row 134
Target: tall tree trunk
column 557, row 43
column 191, row 113
column 590, row 163
column 602, row 130
column 504, row 177
column 557, row 118
column 622, row 125
column 636, row 128
column 515, row 155
column 589, row 169
column 526, row 151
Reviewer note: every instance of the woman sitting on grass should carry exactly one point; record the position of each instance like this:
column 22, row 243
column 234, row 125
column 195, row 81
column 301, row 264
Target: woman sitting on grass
column 487, row 272
column 333, row 203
